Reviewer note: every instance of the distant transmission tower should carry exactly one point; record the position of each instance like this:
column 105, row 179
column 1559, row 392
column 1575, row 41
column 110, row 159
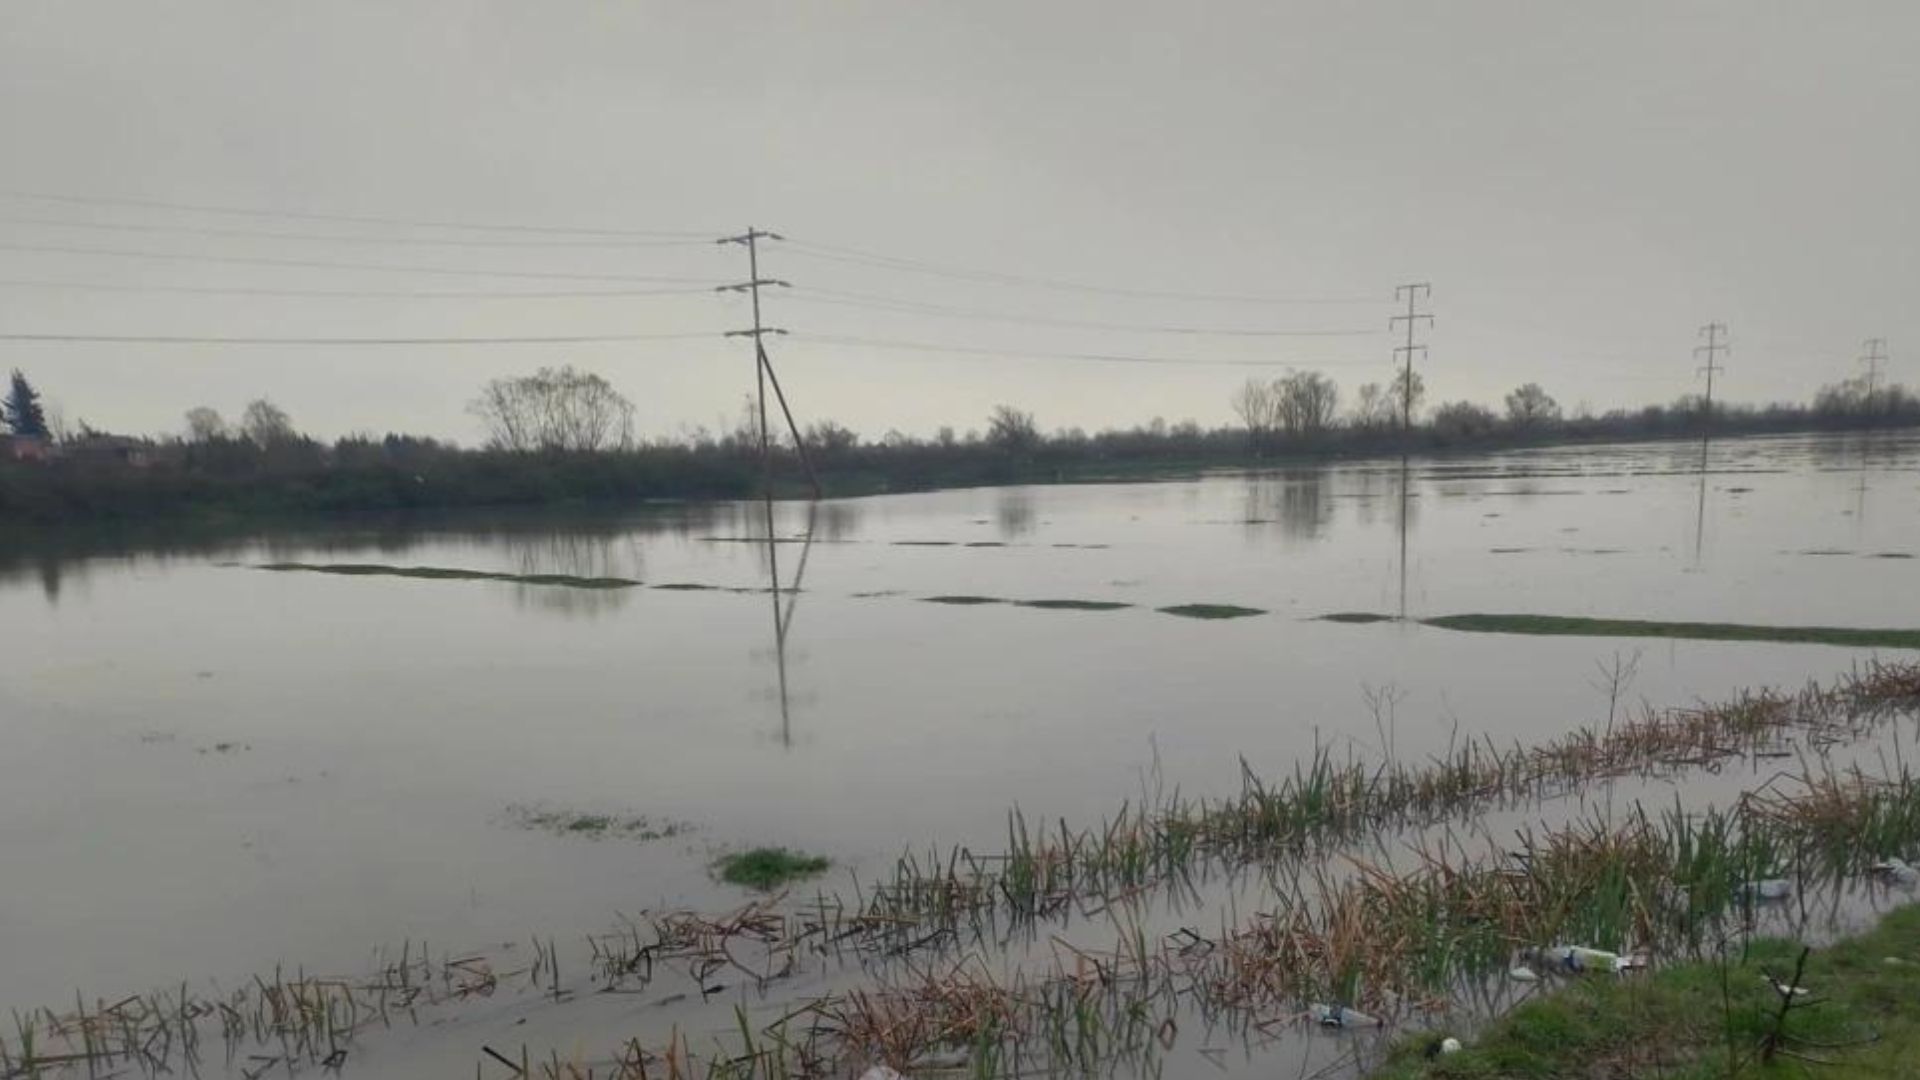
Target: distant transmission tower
column 1714, row 349
column 1876, row 356
column 763, row 367
column 1413, row 292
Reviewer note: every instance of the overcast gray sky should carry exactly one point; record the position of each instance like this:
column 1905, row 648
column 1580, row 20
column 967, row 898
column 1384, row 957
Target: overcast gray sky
column 1583, row 184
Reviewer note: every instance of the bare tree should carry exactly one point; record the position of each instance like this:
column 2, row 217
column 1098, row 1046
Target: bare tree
column 1460, row 420
column 1254, row 403
column 830, row 435
column 266, row 424
column 205, row 424
column 1402, row 402
column 554, row 409
column 1011, row 429
column 1372, row 409
column 1307, row 401
column 1530, row 406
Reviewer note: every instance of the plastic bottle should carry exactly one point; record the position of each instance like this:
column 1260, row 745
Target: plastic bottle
column 1339, row 1016
column 1578, row 959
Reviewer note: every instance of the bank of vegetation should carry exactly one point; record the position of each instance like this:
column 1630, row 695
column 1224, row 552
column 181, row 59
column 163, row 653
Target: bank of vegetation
column 563, row 436
column 1771, row 1008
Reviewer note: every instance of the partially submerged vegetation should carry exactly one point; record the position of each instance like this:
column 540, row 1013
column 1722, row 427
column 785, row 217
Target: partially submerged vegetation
column 768, row 868
column 593, row 824
column 1586, row 627
column 1853, row 1008
column 1073, row 605
column 449, row 573
column 1211, row 611
column 1340, row 928
column 1576, row 626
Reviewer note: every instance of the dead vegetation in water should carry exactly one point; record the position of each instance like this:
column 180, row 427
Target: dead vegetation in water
column 283, row 1022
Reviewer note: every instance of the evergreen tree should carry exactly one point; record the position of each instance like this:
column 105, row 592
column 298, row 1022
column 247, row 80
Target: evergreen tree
column 22, row 408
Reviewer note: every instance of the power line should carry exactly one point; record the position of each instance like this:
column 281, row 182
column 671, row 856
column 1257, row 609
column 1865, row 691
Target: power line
column 857, row 257
column 250, row 260
column 355, row 294
column 885, row 303
column 356, row 219
column 265, row 234
column 1010, row 354
column 167, row 339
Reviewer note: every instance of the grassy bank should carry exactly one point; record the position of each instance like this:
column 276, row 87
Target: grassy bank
column 1859, row 1017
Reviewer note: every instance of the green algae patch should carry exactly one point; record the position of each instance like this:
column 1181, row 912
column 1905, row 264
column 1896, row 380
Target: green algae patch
column 1356, row 617
column 769, row 868
column 964, row 601
column 1211, row 611
column 1557, row 625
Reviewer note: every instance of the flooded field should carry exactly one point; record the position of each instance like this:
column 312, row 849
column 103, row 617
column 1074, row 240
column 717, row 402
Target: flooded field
column 517, row 741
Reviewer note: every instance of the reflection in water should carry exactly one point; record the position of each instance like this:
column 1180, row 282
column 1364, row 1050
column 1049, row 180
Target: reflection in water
column 575, row 554
column 1405, row 506
column 1700, row 510
column 1295, row 499
column 1014, row 513
column 783, row 613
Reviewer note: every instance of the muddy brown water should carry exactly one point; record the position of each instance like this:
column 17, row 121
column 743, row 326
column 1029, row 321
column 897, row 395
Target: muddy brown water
column 211, row 769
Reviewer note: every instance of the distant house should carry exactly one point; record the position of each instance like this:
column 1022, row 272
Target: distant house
column 24, row 448
column 110, row 450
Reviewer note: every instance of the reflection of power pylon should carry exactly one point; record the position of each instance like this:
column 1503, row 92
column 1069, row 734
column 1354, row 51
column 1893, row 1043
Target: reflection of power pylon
column 1700, row 509
column 1404, row 471
column 783, row 617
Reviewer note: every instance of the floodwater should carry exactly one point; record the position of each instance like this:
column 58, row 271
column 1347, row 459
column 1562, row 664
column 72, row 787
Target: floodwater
column 212, row 769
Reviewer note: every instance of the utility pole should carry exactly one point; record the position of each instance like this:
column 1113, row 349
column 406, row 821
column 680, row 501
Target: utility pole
column 1876, row 356
column 1413, row 293
column 763, row 367
column 1713, row 349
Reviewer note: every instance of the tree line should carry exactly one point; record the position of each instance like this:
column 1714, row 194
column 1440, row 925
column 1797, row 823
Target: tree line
column 562, row 434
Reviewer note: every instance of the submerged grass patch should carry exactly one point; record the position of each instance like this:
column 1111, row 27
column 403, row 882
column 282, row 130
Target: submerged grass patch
column 1585, row 627
column 1211, row 611
column 964, row 601
column 1073, row 605
column 450, row 573
column 1579, row 626
column 769, row 867
column 569, row 822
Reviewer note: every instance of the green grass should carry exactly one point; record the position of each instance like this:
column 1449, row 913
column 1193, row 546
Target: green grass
column 769, row 868
column 449, row 573
column 1861, row 1018
column 1211, row 611
column 1555, row 624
